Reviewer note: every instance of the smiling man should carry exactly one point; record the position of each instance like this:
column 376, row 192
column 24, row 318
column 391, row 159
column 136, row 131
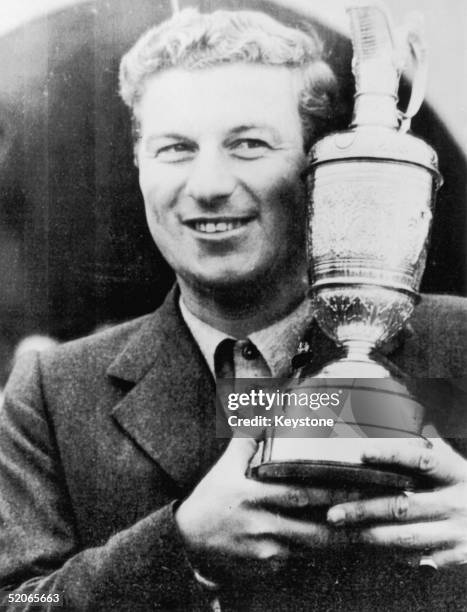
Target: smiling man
column 221, row 182
column 114, row 492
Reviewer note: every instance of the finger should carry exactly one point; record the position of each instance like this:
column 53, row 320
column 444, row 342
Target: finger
column 305, row 534
column 240, row 451
column 272, row 550
column 419, row 536
column 283, row 497
column 439, row 461
column 429, row 431
column 451, row 557
column 457, row 461
column 433, row 505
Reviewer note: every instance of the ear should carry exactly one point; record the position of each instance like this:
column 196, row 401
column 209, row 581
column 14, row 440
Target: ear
column 136, row 137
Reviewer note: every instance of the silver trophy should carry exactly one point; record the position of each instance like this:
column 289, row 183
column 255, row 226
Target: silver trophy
column 372, row 190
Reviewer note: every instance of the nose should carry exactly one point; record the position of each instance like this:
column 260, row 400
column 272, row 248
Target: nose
column 211, row 179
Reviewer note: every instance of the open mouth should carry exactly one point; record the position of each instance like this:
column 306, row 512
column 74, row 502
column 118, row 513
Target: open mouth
column 218, row 226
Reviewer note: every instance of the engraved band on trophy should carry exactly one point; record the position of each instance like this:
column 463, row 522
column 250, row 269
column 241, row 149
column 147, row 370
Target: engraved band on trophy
column 372, row 190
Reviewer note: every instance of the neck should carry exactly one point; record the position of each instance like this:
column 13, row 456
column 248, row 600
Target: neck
column 241, row 310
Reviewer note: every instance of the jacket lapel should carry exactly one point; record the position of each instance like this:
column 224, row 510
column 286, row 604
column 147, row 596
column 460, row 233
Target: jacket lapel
column 170, row 410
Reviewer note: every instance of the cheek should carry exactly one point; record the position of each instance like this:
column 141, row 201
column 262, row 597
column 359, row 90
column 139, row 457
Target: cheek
column 154, row 215
column 157, row 204
column 283, row 180
column 288, row 205
column 160, row 188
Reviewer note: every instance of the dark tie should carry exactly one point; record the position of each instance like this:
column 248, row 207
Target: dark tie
column 223, row 359
column 225, row 384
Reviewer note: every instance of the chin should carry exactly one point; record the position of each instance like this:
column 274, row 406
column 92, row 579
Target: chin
column 225, row 280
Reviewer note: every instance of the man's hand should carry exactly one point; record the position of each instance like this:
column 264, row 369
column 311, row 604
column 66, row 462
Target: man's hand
column 230, row 517
column 432, row 522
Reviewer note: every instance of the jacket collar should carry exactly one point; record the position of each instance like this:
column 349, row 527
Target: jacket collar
column 147, row 347
column 170, row 409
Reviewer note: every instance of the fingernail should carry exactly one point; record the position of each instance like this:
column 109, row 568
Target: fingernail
column 336, row 516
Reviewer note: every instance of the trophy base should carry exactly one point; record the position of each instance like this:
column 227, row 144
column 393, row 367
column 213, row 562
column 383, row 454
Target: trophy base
column 339, row 474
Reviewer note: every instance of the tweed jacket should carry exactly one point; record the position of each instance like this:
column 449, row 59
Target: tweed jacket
column 101, row 436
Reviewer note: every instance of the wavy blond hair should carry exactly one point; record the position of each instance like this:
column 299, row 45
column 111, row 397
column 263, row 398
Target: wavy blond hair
column 194, row 41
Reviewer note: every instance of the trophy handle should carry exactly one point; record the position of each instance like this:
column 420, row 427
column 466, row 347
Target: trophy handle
column 415, row 39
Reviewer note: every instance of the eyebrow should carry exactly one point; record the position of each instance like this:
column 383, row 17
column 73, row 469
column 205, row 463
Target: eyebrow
column 168, row 136
column 255, row 126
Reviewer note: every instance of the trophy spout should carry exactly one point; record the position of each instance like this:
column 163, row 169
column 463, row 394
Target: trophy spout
column 374, row 65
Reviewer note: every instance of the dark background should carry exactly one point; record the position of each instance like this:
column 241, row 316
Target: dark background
column 74, row 249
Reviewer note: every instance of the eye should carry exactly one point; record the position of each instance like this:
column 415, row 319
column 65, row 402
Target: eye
column 249, row 148
column 175, row 152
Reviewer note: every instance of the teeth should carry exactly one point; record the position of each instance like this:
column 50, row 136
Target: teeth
column 221, row 226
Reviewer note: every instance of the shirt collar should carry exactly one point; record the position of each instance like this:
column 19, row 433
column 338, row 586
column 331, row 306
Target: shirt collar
column 277, row 343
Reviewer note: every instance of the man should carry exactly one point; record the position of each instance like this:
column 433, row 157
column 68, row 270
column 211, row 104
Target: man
column 110, row 491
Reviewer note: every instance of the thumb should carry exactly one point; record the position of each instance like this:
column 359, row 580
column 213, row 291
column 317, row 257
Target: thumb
column 241, row 450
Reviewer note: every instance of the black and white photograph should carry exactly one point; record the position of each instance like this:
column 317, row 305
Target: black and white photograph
column 233, row 314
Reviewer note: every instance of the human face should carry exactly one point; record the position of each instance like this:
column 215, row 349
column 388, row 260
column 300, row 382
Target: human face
column 220, row 161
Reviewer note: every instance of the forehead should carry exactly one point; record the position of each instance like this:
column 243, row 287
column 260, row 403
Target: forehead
column 221, row 97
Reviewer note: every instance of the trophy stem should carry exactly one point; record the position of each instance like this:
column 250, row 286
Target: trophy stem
column 358, row 350
column 356, row 363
